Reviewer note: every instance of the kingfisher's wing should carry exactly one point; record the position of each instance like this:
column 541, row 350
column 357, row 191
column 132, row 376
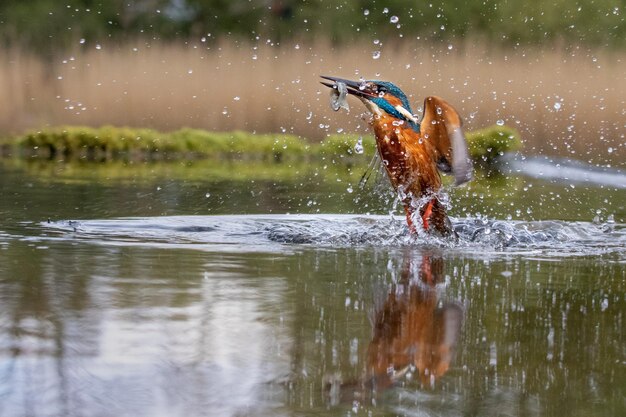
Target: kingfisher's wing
column 441, row 126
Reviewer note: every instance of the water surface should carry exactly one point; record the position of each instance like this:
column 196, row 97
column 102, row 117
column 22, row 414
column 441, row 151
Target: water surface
column 180, row 293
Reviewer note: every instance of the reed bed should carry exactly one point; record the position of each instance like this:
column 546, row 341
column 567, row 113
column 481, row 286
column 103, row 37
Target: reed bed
column 564, row 101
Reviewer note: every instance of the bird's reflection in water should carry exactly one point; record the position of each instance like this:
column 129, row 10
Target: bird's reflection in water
column 415, row 333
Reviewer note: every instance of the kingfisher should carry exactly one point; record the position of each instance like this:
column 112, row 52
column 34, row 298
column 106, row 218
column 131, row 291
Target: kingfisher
column 414, row 151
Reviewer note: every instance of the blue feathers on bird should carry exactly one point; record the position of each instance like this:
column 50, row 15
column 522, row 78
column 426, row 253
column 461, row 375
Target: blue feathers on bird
column 397, row 92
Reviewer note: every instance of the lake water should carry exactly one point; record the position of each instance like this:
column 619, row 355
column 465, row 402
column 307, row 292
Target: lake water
column 234, row 289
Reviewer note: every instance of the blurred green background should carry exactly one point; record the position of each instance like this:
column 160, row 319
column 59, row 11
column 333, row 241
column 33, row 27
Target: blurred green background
column 50, row 25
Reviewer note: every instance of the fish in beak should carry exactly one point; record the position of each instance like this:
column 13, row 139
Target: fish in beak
column 356, row 88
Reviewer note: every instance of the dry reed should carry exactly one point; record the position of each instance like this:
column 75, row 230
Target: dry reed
column 570, row 104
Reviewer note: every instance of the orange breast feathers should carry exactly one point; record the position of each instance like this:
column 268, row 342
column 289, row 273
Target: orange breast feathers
column 407, row 156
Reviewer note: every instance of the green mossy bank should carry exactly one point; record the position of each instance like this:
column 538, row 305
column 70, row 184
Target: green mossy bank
column 111, row 143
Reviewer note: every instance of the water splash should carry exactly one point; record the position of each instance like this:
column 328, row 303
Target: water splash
column 284, row 233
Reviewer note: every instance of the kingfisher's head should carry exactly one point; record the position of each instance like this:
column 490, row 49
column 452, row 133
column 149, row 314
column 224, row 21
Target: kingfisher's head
column 380, row 97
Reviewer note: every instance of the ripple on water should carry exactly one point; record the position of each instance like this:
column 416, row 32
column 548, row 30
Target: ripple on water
column 285, row 233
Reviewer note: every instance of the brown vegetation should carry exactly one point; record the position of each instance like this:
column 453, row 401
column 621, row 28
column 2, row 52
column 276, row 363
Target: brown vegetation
column 567, row 103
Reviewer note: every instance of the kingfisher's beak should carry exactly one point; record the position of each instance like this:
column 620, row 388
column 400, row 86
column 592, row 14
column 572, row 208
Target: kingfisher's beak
column 356, row 88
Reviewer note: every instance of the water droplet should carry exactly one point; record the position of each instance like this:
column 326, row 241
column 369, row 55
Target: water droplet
column 236, row 98
column 605, row 304
column 376, row 54
column 350, row 190
column 366, row 12
column 500, row 122
column 82, row 41
column 394, row 19
column 358, row 147
column 98, row 46
column 190, row 71
column 376, row 41
column 203, row 39
column 450, row 47
column 385, row 10
column 207, row 195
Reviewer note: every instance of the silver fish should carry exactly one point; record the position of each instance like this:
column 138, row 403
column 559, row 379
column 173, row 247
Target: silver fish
column 338, row 96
